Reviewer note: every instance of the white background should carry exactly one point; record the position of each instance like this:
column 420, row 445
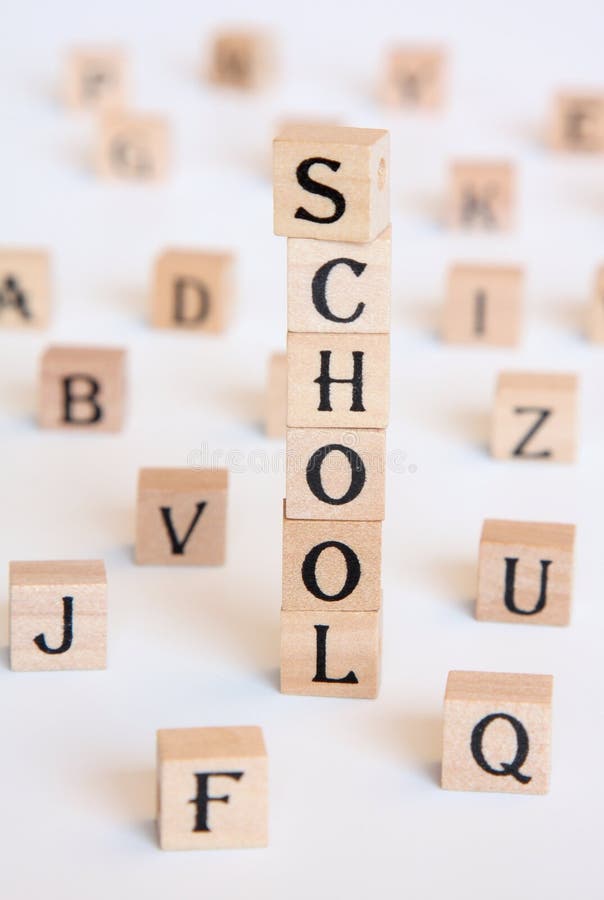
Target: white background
column 356, row 810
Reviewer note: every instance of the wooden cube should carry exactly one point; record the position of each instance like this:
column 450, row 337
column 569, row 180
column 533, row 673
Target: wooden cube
column 133, row 147
column 331, row 183
column 415, row 77
column 181, row 517
column 535, row 417
column 96, row 78
column 497, row 732
column 275, row 415
column 525, row 572
column 82, row 388
column 482, row 196
column 338, row 380
column 578, row 121
column 331, row 654
column 24, row 289
column 212, row 788
column 339, row 287
column 596, row 310
column 483, row 305
column 194, row 290
column 334, row 473
column 243, row 58
column 58, row 615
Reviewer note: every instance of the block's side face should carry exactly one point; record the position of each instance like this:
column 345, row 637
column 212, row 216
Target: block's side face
column 133, row 147
column 181, row 527
column 535, row 423
column 595, row 323
column 483, row 307
column 192, row 291
column 379, row 185
column 24, row 289
column 275, row 413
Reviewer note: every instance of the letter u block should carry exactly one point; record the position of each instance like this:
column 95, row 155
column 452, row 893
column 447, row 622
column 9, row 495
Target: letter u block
column 193, row 291
column 497, row 732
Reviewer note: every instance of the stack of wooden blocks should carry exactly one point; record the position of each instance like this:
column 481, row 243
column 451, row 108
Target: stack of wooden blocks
column 331, row 196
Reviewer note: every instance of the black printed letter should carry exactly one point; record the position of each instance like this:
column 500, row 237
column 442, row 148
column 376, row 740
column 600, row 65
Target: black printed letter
column 510, row 578
column 321, row 675
column 542, row 415
column 40, row 640
column 522, row 748
column 357, row 474
column 325, row 381
column 202, row 799
column 184, row 286
column 11, row 295
column 315, row 187
column 178, row 546
column 319, row 288
column 309, row 571
column 70, row 399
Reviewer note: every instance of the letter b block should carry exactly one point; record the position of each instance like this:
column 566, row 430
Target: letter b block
column 193, row 291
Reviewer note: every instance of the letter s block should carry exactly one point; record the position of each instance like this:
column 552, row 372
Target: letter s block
column 193, row 291
column 331, row 183
column 497, row 732
column 212, row 788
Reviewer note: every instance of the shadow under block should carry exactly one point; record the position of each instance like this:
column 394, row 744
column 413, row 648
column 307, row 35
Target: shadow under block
column 24, row 289
column 82, row 388
column 275, row 415
column 331, row 654
column 414, row 77
column 243, row 58
column 482, row 196
column 95, row 78
column 525, row 572
column 331, row 183
column 535, row 417
column 133, row 147
column 193, row 291
column 335, row 474
column 337, row 287
column 181, row 517
column 578, row 122
column 58, row 615
column 497, row 732
column 333, row 566
column 212, row 788
column 338, row 380
column 596, row 310
column 483, row 305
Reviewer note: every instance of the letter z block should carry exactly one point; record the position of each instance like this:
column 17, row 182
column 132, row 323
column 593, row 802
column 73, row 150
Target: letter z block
column 133, row 147
column 24, row 289
column 482, row 196
column 193, row 291
column 483, row 306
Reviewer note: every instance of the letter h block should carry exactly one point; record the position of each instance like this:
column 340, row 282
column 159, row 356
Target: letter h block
column 193, row 291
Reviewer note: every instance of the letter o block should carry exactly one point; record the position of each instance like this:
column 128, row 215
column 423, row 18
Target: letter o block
column 497, row 732
column 193, row 291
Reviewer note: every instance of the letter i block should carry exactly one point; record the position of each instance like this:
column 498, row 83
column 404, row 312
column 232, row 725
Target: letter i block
column 82, row 388
column 535, row 417
column 24, row 289
column 212, row 788
column 193, row 291
column 482, row 196
column 497, row 732
column 58, row 615
column 483, row 306
column 181, row 517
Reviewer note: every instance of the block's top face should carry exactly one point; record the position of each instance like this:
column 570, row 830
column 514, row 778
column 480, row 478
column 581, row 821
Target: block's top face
column 533, row 534
column 183, row 480
column 14, row 256
column 334, row 135
column 57, row 572
column 118, row 118
column 186, row 256
column 537, row 381
column 481, row 271
column 210, row 743
column 483, row 167
column 499, row 687
column 58, row 355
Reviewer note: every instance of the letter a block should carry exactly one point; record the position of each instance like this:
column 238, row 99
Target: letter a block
column 483, row 306
column 535, row 417
column 497, row 732
column 331, row 183
column 24, row 289
column 193, row 291
column 181, row 517
column 525, row 572
column 482, row 196
column 58, row 615
column 243, row 58
column 212, row 788
column 82, row 388
column 133, row 147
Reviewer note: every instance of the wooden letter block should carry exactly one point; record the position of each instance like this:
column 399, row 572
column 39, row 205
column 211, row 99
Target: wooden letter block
column 243, row 59
column 525, row 572
column 339, row 287
column 578, row 122
column 331, row 654
column 331, row 183
column 58, row 615
column 482, row 195
column 331, row 566
column 181, row 517
column 483, row 306
column 596, row 311
column 82, row 388
column 212, row 788
column 133, row 147
column 276, row 396
column 415, row 77
column 497, row 732
column 95, row 78
column 24, row 289
column 193, row 291
column 535, row 417
column 338, row 380
column 335, row 474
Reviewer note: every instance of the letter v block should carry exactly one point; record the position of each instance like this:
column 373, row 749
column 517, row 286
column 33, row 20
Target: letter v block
column 193, row 291
column 181, row 517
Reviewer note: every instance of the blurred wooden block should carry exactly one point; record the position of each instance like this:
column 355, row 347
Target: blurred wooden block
column 133, row 147
column 24, row 289
column 482, row 196
column 535, row 417
column 331, row 183
column 335, row 474
column 276, row 396
column 82, row 388
column 578, row 122
column 483, row 305
column 596, row 310
column 338, row 380
column 497, row 732
column 212, row 788
column 331, row 654
column 525, row 572
column 193, row 291
column 95, row 78
column 333, row 566
column 415, row 77
column 339, row 287
column 243, row 58
column 181, row 517
column 58, row 615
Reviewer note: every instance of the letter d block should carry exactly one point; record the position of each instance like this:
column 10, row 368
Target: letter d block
column 212, row 788
column 193, row 291
column 497, row 732
column 58, row 615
